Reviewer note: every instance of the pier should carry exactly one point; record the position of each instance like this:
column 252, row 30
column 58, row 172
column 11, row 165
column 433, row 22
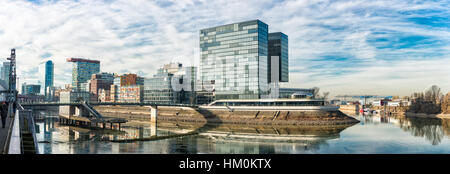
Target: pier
column 86, row 122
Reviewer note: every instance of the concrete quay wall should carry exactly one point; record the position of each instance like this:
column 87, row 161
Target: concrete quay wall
column 269, row 117
column 349, row 108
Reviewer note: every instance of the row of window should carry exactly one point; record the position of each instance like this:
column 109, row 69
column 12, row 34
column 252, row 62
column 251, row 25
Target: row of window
column 231, row 45
column 231, row 56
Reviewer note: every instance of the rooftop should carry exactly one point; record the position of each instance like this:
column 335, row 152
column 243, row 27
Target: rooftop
column 82, row 60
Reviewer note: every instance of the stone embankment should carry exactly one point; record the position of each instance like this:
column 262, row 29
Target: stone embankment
column 349, row 108
column 184, row 114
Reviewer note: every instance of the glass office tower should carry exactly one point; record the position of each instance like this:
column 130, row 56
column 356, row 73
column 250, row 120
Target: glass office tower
column 234, row 58
column 278, row 47
column 6, row 70
column 82, row 71
column 46, row 73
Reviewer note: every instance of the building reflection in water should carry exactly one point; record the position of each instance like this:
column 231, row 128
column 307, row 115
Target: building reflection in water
column 223, row 139
column 432, row 129
column 55, row 138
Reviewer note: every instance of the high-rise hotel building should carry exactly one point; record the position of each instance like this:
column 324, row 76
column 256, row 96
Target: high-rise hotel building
column 82, row 71
column 235, row 59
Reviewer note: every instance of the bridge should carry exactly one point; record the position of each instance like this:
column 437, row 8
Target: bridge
column 19, row 136
column 105, row 103
column 79, row 109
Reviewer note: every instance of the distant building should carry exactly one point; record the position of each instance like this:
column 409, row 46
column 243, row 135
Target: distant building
column 51, row 94
column 104, row 95
column 114, row 93
column 300, row 92
column 6, row 70
column 82, row 71
column 127, row 88
column 30, row 89
column 67, row 88
column 100, row 81
column 377, row 103
column 205, row 93
column 130, row 79
column 394, row 103
column 69, row 97
column 172, row 83
column 46, row 76
column 131, row 94
column 84, row 87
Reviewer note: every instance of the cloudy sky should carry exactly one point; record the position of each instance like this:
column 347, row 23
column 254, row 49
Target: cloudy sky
column 392, row 47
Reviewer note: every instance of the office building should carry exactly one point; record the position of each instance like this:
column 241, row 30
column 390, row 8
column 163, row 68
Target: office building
column 104, row 95
column 51, row 93
column 130, row 79
column 131, row 94
column 234, row 58
column 46, row 76
column 278, row 57
column 82, row 71
column 127, row 88
column 30, row 89
column 70, row 97
column 6, row 70
column 100, row 81
column 172, row 83
column 114, row 93
column 205, row 93
column 84, row 87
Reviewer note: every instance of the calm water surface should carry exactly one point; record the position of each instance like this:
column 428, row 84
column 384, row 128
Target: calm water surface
column 374, row 134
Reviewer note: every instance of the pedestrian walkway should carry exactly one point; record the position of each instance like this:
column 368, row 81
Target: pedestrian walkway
column 3, row 134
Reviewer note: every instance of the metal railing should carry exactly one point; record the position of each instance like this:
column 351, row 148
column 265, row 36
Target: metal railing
column 28, row 125
column 23, row 123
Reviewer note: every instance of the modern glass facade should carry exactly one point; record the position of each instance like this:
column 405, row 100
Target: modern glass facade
column 172, row 84
column 6, row 68
column 159, row 89
column 234, row 58
column 30, row 89
column 82, row 71
column 278, row 46
column 46, row 73
column 49, row 73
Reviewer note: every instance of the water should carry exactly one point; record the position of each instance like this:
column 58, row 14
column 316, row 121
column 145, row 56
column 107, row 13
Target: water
column 373, row 135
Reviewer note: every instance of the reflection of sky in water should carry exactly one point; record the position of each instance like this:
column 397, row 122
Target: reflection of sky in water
column 373, row 135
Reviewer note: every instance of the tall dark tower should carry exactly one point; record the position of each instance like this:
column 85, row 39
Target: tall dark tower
column 12, row 84
column 278, row 57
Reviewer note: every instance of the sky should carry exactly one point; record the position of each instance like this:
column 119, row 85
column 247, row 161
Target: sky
column 392, row 47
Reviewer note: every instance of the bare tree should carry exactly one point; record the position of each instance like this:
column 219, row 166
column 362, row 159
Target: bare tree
column 325, row 95
column 433, row 94
column 316, row 92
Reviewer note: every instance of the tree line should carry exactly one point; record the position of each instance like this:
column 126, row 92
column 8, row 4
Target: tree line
column 430, row 101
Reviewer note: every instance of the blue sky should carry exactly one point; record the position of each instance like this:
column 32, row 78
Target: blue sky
column 393, row 47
